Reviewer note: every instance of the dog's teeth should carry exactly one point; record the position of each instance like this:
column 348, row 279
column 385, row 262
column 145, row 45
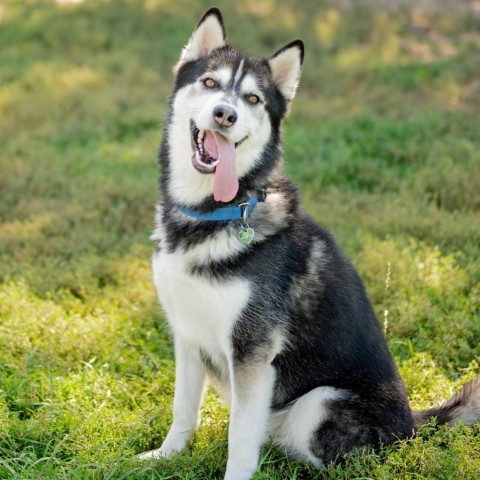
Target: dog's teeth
column 201, row 134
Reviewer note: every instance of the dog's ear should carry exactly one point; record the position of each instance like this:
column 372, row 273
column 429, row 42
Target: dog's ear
column 209, row 35
column 286, row 66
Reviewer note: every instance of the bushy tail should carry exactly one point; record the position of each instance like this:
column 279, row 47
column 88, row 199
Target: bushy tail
column 465, row 405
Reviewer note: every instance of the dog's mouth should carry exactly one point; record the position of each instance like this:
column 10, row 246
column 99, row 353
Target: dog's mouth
column 213, row 153
column 204, row 160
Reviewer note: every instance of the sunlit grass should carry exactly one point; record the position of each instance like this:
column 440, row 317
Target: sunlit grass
column 383, row 142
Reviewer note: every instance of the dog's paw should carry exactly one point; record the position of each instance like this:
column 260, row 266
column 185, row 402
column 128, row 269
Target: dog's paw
column 240, row 471
column 173, row 445
column 165, row 451
column 151, row 455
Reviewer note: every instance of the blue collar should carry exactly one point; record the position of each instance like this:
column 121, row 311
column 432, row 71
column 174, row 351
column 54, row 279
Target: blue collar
column 234, row 212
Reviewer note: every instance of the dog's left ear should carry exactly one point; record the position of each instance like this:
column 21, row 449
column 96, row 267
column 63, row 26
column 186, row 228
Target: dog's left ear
column 209, row 35
column 286, row 67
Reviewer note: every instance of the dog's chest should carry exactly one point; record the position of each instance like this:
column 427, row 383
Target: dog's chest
column 201, row 310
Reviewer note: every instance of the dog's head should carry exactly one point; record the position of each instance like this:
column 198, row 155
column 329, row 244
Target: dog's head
column 225, row 115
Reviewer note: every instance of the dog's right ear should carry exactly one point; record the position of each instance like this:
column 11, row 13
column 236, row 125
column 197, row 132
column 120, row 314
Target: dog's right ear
column 209, row 35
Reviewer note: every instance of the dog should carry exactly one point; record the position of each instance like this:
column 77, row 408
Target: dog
column 259, row 297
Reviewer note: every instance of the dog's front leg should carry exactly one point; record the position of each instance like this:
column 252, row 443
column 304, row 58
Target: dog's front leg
column 189, row 383
column 251, row 386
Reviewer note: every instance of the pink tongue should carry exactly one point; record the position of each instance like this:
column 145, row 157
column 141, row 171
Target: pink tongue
column 225, row 185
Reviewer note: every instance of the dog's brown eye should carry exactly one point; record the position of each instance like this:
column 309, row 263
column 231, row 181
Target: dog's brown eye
column 210, row 83
column 253, row 99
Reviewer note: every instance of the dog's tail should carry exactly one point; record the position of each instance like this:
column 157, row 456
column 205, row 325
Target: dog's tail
column 465, row 405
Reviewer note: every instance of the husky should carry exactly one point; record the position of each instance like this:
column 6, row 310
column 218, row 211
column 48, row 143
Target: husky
column 259, row 298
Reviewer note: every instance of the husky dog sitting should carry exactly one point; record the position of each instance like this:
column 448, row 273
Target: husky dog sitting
column 258, row 296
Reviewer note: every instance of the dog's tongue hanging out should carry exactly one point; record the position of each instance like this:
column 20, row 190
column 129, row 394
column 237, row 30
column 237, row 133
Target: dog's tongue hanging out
column 225, row 185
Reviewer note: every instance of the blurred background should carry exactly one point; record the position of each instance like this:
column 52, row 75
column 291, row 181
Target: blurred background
column 383, row 140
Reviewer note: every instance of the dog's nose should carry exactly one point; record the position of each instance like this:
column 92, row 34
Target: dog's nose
column 224, row 115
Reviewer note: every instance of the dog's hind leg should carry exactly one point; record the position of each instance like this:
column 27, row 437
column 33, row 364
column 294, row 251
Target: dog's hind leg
column 327, row 424
column 189, row 385
column 293, row 427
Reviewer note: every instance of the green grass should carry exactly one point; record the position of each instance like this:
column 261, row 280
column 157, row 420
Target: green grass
column 383, row 140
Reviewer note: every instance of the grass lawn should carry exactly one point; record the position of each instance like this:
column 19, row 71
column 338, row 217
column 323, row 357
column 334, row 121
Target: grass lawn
column 383, row 140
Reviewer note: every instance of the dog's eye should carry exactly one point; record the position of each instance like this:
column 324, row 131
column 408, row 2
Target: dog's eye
column 253, row 99
column 210, row 83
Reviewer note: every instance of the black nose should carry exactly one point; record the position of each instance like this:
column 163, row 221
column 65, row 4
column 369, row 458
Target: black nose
column 224, row 115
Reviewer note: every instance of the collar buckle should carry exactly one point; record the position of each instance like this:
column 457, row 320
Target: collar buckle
column 244, row 209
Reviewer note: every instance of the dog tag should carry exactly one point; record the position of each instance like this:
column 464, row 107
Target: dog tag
column 246, row 236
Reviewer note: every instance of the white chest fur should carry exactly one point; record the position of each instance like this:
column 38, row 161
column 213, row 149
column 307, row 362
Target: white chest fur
column 201, row 310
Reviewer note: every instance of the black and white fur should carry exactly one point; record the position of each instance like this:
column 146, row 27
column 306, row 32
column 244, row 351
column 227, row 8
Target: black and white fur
column 282, row 325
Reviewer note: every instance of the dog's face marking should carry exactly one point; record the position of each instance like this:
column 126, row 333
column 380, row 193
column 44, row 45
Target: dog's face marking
column 236, row 99
column 238, row 73
column 233, row 87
